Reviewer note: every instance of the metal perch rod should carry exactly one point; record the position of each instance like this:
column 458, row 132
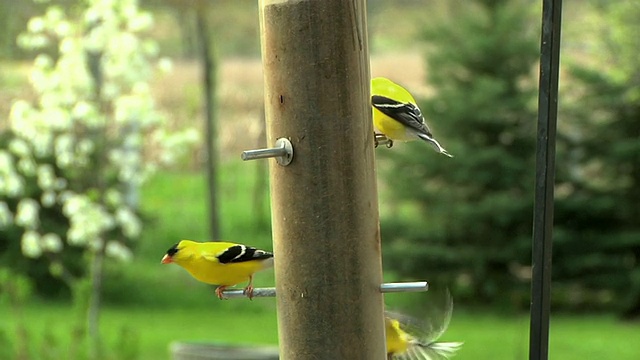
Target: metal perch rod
column 416, row 286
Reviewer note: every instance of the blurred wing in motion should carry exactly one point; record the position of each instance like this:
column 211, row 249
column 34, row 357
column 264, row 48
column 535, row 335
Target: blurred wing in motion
column 422, row 336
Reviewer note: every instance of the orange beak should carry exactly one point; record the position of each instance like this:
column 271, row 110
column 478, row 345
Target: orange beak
column 166, row 259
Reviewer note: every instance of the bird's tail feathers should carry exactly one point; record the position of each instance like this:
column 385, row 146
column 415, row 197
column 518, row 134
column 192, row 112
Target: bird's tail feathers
column 436, row 145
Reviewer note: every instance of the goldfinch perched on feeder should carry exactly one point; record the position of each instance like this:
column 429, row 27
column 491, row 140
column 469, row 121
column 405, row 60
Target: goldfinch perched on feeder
column 397, row 116
column 406, row 340
column 219, row 263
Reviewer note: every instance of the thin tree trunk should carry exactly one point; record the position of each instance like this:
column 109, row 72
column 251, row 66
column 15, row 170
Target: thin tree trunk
column 94, row 60
column 93, row 312
column 209, row 67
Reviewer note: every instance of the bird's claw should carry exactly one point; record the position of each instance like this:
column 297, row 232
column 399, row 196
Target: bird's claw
column 219, row 293
column 248, row 291
column 379, row 139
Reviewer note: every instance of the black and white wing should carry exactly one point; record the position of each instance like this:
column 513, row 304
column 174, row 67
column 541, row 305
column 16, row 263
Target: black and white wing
column 241, row 253
column 407, row 114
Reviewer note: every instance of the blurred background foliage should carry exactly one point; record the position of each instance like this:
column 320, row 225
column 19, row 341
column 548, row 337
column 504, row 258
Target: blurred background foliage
column 463, row 223
column 474, row 214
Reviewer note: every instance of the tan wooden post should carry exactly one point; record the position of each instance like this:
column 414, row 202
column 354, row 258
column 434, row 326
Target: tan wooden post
column 324, row 204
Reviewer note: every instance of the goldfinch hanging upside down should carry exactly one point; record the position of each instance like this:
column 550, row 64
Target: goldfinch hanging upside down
column 219, row 263
column 397, row 116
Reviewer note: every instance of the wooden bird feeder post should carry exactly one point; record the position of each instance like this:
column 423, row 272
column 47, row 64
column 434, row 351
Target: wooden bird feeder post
column 324, row 201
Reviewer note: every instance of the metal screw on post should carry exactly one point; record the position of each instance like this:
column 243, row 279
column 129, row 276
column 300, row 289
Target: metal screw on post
column 385, row 288
column 283, row 152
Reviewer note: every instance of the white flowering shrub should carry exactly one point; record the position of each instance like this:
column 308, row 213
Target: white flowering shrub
column 68, row 156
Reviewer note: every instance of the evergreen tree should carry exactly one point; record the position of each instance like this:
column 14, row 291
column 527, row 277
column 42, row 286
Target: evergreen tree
column 597, row 250
column 468, row 219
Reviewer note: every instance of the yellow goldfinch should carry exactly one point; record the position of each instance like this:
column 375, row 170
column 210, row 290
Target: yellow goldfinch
column 402, row 345
column 408, row 342
column 397, row 116
column 219, row 263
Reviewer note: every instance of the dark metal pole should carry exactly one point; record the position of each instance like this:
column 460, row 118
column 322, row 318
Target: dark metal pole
column 324, row 203
column 545, row 175
column 209, row 74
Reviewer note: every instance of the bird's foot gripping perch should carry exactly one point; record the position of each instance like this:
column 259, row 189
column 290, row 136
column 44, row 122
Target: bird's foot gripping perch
column 249, row 289
column 219, row 291
column 381, row 139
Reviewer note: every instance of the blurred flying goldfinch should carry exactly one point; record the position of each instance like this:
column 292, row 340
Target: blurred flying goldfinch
column 407, row 340
column 397, row 116
column 219, row 263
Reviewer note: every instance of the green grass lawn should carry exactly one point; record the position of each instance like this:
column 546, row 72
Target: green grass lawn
column 152, row 329
column 154, row 305
column 486, row 336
